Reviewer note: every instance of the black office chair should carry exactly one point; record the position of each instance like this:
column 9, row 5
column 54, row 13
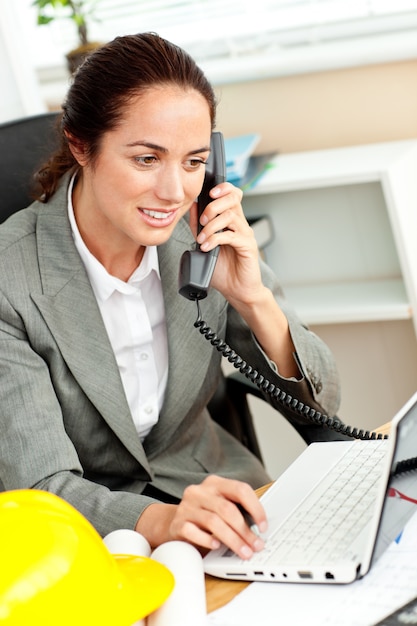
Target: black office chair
column 24, row 144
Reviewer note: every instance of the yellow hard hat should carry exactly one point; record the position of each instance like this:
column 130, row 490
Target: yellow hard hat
column 55, row 568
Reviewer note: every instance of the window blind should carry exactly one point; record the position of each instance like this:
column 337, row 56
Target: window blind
column 221, row 28
column 232, row 36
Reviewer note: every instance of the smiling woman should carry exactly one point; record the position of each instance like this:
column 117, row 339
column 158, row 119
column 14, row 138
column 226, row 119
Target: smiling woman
column 104, row 394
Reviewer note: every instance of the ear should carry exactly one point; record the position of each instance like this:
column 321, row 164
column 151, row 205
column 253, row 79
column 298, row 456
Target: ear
column 77, row 148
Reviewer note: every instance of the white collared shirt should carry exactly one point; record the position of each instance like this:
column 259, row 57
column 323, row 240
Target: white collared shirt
column 134, row 316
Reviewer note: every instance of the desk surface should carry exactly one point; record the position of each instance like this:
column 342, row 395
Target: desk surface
column 218, row 591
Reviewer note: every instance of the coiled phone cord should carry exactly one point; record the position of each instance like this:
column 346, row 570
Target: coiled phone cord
column 275, row 392
column 408, row 465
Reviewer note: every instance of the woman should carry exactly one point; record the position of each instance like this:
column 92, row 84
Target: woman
column 104, row 381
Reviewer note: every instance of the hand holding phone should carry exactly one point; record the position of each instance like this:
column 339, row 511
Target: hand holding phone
column 196, row 266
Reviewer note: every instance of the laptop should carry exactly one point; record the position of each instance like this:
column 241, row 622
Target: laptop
column 334, row 511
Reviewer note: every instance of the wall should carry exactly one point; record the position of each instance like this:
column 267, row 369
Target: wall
column 20, row 92
column 325, row 110
column 10, row 102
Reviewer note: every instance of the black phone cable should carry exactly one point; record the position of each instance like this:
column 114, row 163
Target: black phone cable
column 275, row 392
column 405, row 466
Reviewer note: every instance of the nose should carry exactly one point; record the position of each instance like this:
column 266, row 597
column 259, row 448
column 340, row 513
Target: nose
column 170, row 184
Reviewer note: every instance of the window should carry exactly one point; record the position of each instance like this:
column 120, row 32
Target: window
column 248, row 39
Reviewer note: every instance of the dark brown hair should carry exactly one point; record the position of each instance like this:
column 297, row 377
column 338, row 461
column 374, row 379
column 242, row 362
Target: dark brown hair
column 102, row 88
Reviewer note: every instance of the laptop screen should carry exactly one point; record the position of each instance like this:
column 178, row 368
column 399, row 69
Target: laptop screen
column 401, row 495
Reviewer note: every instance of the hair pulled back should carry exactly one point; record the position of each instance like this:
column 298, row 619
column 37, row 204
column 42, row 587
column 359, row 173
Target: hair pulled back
column 103, row 86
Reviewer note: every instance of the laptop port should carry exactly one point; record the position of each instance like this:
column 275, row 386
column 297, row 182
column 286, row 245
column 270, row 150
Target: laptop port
column 304, row 574
column 329, row 576
column 258, row 573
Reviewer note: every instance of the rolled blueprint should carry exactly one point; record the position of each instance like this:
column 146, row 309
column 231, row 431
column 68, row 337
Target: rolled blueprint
column 125, row 541
column 186, row 606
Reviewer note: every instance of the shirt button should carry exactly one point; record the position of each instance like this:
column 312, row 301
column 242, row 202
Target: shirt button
column 148, row 410
column 144, row 356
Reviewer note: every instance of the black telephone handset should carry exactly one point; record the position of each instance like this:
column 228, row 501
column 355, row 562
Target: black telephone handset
column 196, row 266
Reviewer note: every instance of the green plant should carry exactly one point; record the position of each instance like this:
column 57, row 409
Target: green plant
column 80, row 11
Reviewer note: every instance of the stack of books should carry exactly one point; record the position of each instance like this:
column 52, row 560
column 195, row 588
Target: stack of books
column 244, row 168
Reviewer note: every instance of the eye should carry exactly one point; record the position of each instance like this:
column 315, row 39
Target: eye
column 146, row 160
column 195, row 164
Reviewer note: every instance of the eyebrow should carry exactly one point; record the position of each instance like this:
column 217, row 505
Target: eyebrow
column 153, row 146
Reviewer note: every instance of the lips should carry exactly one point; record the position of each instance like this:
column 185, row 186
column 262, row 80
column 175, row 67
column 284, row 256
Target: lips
column 158, row 219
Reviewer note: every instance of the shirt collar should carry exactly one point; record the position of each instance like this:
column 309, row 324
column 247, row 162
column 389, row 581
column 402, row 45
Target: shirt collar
column 103, row 283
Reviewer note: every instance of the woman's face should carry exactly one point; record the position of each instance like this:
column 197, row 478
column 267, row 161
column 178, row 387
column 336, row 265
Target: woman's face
column 149, row 171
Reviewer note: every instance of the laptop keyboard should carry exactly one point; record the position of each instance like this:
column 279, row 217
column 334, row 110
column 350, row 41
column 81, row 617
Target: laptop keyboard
column 324, row 525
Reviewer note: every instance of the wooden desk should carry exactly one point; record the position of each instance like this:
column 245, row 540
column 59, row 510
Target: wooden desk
column 219, row 592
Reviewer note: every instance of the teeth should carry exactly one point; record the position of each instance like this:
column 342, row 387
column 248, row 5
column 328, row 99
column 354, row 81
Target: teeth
column 156, row 214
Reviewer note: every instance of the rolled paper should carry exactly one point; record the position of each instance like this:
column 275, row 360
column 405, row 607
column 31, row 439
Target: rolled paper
column 126, row 541
column 186, row 606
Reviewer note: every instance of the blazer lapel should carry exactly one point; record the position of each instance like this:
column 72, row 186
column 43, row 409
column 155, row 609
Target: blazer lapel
column 189, row 353
column 71, row 312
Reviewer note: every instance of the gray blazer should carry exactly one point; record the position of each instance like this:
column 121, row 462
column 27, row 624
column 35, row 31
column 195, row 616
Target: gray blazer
column 64, row 419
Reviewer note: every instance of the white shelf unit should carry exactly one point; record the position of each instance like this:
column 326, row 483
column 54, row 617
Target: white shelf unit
column 345, row 251
column 345, row 223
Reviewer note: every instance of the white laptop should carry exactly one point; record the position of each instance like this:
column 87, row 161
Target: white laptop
column 358, row 499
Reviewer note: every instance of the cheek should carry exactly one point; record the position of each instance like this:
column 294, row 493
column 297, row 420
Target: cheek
column 194, row 186
column 124, row 182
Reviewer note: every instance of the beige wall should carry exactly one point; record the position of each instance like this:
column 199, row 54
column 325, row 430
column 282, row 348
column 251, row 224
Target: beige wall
column 324, row 109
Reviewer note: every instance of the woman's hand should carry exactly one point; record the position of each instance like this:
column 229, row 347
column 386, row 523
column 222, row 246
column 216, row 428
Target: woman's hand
column 207, row 516
column 237, row 275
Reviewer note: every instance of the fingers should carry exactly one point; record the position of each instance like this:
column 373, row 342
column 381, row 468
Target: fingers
column 228, row 227
column 225, row 197
column 209, row 514
column 225, row 189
